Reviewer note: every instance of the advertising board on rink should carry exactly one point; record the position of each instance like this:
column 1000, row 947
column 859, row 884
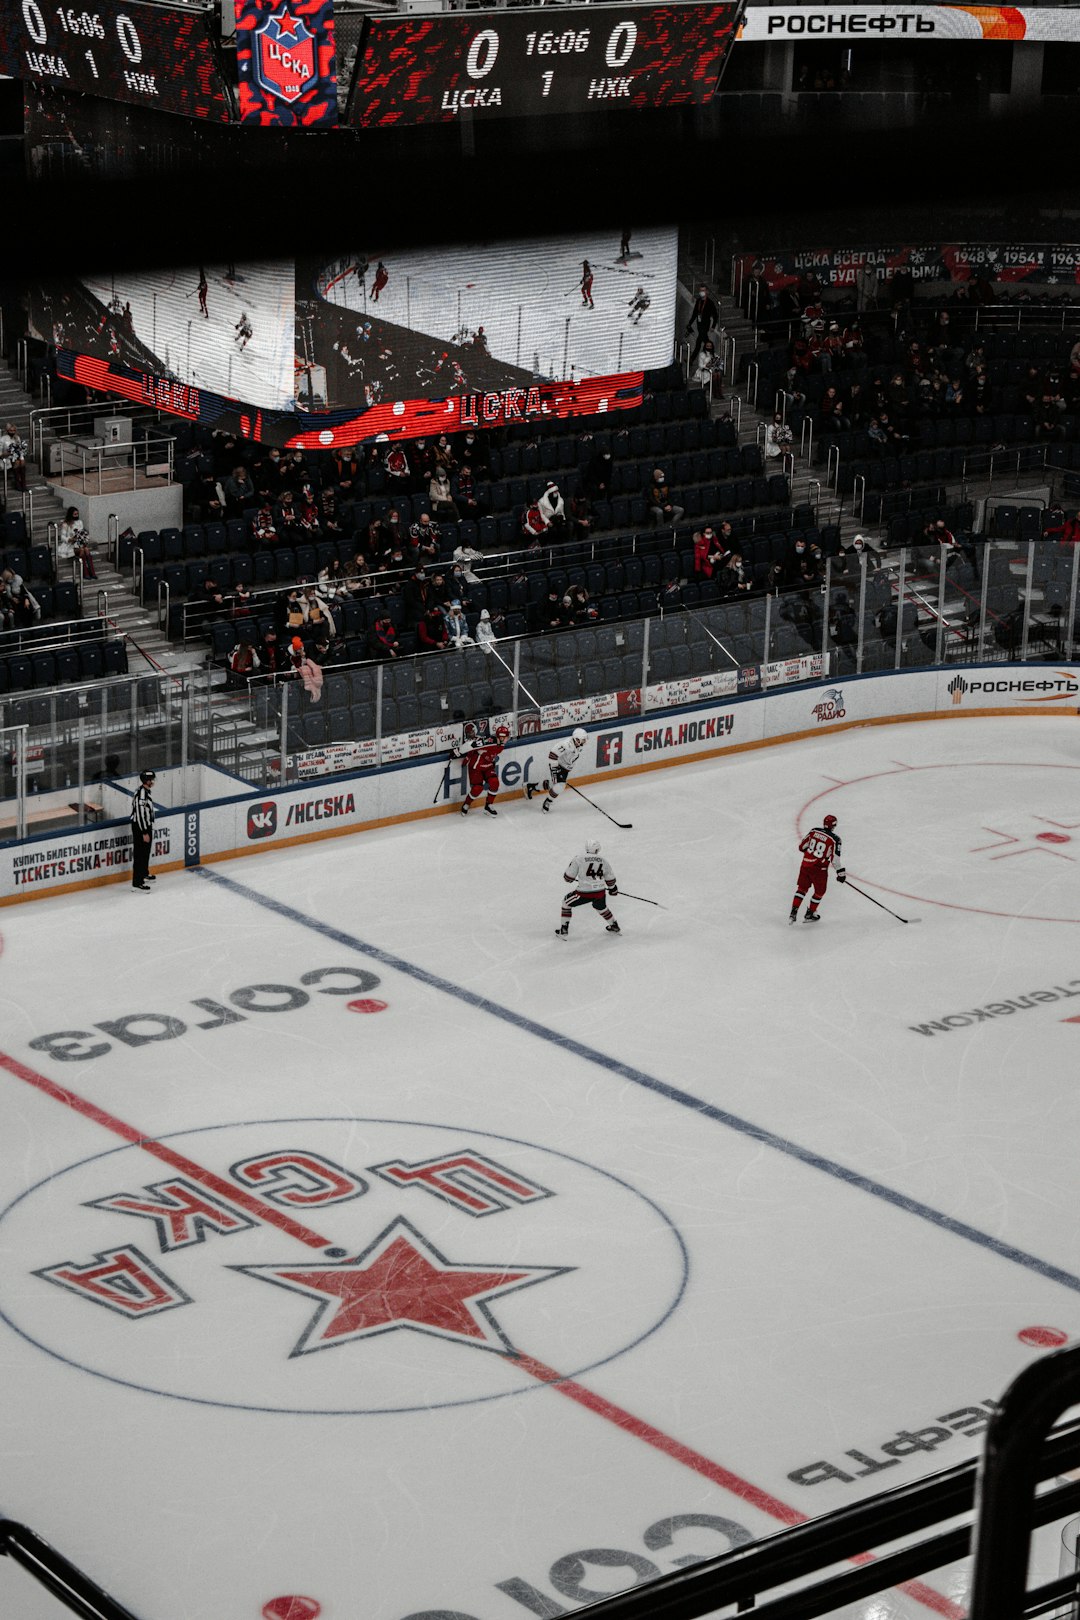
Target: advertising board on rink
column 419, row 778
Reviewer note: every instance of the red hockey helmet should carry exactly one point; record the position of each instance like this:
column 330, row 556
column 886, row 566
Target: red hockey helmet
column 829, row 823
column 502, row 733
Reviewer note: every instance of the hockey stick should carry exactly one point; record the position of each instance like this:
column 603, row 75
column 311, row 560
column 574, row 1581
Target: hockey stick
column 444, row 782
column 625, row 825
column 721, row 646
column 849, row 885
column 626, row 895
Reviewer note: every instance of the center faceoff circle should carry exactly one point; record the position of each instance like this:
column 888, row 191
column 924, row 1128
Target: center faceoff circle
column 336, row 1265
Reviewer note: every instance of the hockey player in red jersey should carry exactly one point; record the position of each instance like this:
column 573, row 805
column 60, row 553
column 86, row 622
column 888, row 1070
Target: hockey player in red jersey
column 382, row 276
column 586, row 285
column 481, row 756
column 820, row 850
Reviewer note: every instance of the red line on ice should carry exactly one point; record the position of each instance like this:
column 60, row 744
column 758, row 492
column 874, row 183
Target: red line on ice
column 675, row 1449
column 268, row 1213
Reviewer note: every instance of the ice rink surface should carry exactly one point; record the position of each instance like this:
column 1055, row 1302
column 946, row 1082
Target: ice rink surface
column 529, row 303
column 422, row 1261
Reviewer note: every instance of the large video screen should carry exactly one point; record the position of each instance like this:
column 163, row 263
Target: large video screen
column 378, row 341
column 382, row 325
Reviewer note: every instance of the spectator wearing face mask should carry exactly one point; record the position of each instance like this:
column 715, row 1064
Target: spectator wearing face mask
column 662, row 504
column 703, row 318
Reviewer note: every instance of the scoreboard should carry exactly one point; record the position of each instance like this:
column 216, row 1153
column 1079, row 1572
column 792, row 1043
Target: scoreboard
column 436, row 69
column 409, row 69
column 136, row 51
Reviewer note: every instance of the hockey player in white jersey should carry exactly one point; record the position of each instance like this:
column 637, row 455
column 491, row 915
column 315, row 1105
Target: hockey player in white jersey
column 562, row 759
column 593, row 882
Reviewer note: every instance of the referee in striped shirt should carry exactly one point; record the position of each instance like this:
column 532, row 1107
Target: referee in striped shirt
column 142, row 833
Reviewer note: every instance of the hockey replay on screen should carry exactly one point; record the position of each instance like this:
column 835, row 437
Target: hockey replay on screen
column 377, row 342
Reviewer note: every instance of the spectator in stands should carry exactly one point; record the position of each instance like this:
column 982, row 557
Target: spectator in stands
column 329, row 515
column 423, row 464
column 444, row 455
column 332, row 583
column 708, row 553
column 432, row 634
column 243, row 661
column 75, row 541
column 383, row 639
column 464, row 556
column 778, row 438
column 709, row 370
column 398, row 476
column 264, row 529
column 804, row 564
column 1053, row 523
column 308, row 518
column 317, row 615
column 213, row 597
column 533, row 527
column 485, row 631
column 894, row 438
column 345, row 473
column 239, row 491
column 289, row 613
column 848, row 560
column 326, row 653
column 579, row 516
column 457, row 625
column 552, row 509
column 394, row 537
column 549, row 613
column 736, row 576
column 272, row 652
column 287, row 518
column 474, row 454
column 662, row 504
column 468, row 502
column 576, row 602
column 440, row 495
column 425, row 537
column 305, row 668
column 669, row 596
column 240, row 602
column 599, row 474
column 13, row 452
column 704, row 316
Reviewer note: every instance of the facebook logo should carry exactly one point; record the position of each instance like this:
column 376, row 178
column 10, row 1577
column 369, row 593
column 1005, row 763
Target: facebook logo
column 609, row 748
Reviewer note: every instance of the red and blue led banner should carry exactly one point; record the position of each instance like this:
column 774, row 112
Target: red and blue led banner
column 285, row 59
column 1056, row 263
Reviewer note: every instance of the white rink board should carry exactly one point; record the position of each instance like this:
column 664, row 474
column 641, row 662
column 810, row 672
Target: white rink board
column 315, row 810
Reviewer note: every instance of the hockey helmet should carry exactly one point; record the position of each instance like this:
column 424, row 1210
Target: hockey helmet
column 592, row 847
column 502, row 733
column 829, row 822
column 579, row 737
column 147, row 776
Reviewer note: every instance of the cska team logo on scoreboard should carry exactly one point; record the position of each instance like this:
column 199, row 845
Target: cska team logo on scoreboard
column 284, row 56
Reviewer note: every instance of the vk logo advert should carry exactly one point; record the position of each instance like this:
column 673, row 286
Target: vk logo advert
column 262, row 820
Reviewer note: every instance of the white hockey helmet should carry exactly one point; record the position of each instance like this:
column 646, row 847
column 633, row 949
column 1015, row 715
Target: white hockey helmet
column 592, row 846
column 579, row 737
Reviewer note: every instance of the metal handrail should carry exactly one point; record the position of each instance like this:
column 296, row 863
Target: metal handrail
column 44, row 416
column 102, row 607
column 138, row 562
column 113, row 538
column 806, row 438
column 752, row 378
column 163, row 594
column 832, row 467
column 858, row 495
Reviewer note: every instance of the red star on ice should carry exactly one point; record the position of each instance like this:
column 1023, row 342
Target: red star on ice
column 402, row 1281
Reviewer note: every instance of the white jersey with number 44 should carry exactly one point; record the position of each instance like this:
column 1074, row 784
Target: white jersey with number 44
column 588, row 873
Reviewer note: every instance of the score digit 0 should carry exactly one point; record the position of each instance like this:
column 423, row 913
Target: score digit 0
column 483, row 53
column 620, row 45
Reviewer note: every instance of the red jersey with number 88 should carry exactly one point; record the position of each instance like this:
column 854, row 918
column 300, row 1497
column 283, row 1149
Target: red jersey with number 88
column 820, row 848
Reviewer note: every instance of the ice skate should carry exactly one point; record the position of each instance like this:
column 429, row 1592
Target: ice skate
column 490, row 810
column 613, row 928
column 530, row 789
column 794, row 917
column 812, row 916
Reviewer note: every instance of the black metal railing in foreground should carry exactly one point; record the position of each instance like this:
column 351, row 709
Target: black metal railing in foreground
column 1000, row 1490
column 58, row 1575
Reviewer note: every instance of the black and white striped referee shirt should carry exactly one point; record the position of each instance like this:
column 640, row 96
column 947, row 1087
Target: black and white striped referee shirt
column 142, row 810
